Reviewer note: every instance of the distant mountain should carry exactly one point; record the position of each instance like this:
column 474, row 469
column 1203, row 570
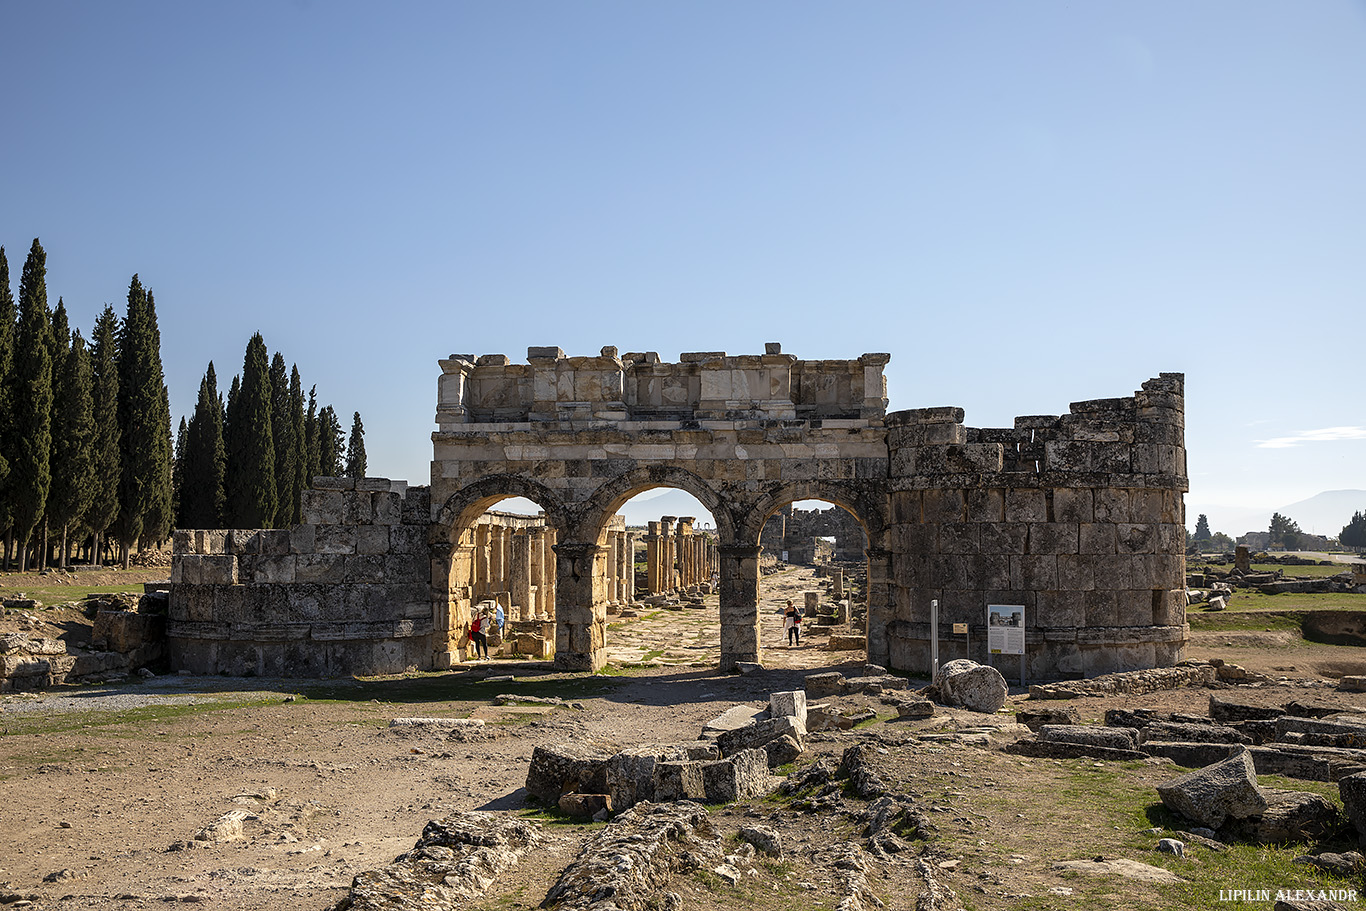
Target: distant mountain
column 1322, row 514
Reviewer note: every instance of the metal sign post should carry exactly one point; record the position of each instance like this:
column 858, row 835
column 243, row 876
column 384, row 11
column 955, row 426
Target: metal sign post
column 934, row 639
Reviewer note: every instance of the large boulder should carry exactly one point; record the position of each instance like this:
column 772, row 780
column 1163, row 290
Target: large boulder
column 1216, row 793
column 560, row 768
column 970, row 685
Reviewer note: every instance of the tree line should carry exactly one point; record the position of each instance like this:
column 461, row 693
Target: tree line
column 86, row 452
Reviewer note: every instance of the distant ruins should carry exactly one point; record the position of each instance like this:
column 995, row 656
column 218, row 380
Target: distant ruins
column 1077, row 517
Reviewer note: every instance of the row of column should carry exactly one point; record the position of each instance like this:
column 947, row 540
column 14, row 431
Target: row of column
column 516, row 568
column 620, row 568
column 676, row 558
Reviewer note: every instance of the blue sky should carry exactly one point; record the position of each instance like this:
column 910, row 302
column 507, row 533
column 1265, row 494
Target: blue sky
column 1025, row 204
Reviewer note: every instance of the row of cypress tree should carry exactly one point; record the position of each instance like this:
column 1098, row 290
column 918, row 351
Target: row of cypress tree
column 244, row 463
column 86, row 452
column 85, row 433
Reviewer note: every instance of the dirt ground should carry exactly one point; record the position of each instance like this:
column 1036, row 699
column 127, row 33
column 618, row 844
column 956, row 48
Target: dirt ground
column 103, row 789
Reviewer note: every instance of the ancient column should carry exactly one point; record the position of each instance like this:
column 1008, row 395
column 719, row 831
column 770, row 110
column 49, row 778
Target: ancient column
column 482, row 564
column 609, row 560
column 551, row 577
column 667, row 557
column 536, row 571
column 684, row 550
column 521, row 576
column 739, row 605
column 881, row 606
column 497, row 568
column 629, row 595
column 652, row 561
column 580, row 611
column 445, row 576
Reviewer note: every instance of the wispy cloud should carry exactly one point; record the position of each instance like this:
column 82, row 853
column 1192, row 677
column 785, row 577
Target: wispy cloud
column 1326, row 434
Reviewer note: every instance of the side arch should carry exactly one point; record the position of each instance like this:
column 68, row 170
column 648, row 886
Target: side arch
column 470, row 501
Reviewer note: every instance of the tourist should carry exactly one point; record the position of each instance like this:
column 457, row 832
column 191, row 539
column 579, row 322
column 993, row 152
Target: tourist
column 792, row 622
column 478, row 637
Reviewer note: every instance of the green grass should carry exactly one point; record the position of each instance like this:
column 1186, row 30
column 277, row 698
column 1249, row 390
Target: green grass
column 457, row 686
column 37, row 723
column 1247, row 599
column 45, row 593
column 1242, row 621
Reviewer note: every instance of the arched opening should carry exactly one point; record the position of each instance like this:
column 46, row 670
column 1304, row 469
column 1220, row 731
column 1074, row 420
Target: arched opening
column 822, row 550
column 658, row 545
column 497, row 563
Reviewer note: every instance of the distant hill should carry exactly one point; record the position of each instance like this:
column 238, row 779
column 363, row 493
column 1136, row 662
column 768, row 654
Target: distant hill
column 1322, row 514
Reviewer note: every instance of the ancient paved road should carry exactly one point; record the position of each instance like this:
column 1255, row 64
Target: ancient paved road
column 692, row 636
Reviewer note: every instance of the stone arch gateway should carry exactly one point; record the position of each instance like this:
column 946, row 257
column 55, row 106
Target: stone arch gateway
column 1078, row 517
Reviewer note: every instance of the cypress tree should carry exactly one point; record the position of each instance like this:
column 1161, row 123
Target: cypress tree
column 286, row 448
column 59, row 342
column 355, row 449
column 330, row 442
column 300, row 480
column 32, row 401
column 178, row 470
column 73, row 474
column 8, row 315
column 252, row 498
column 144, row 426
column 106, row 459
column 313, row 467
column 156, row 526
column 201, row 498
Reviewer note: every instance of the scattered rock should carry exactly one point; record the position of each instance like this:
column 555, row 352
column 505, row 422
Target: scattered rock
column 1172, row 846
column 764, row 838
column 1216, row 793
column 1127, row 869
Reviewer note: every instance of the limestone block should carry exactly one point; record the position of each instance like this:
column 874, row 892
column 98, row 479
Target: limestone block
column 318, row 568
column 1291, row 816
column 321, row 506
column 1054, row 538
column 356, row 508
column 303, row 539
column 585, row 806
column 336, row 539
column 789, row 702
column 811, row 603
column 417, row 506
column 386, row 508
column 372, row 539
column 740, row 777
column 822, row 686
column 325, row 483
column 1091, row 735
column 273, row 569
column 403, row 568
column 679, row 781
column 1215, row 793
column 756, row 735
column 844, row 642
column 408, row 539
column 205, row 569
column 367, row 568
column 561, row 768
column 1005, row 538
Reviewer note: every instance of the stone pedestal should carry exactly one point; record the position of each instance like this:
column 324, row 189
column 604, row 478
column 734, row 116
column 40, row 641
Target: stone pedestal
column 739, row 606
column 881, row 605
column 580, row 611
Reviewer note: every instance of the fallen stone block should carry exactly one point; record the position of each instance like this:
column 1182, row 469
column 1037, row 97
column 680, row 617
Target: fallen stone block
column 1352, row 789
column 913, row 708
column 1291, row 816
column 827, row 718
column 1193, row 733
column 1190, row 755
column 1056, row 749
column 734, row 717
column 564, row 767
column 1091, row 735
column 1036, row 717
column 631, row 773
column 1211, row 795
column 754, row 736
column 970, row 685
column 790, row 702
column 1227, row 711
column 1352, row 683
column 783, row 750
column 823, row 686
column 1127, row 683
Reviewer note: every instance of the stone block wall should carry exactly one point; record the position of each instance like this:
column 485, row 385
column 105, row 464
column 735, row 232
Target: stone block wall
column 346, row 592
column 1077, row 517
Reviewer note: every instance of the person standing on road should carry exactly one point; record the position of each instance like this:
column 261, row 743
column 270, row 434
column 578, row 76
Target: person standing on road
column 792, row 622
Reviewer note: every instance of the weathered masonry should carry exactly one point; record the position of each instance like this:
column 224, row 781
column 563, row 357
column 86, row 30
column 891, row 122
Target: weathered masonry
column 1078, row 517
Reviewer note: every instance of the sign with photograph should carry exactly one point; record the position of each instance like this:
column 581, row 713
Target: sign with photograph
column 1005, row 629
